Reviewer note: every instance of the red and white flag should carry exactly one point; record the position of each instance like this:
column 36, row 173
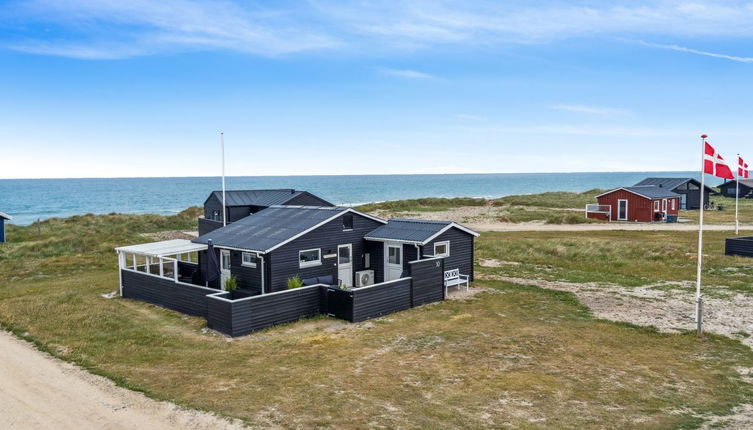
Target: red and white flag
column 742, row 168
column 714, row 164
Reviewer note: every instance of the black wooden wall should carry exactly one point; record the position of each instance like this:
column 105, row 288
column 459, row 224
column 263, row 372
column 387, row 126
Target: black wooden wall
column 461, row 250
column 283, row 262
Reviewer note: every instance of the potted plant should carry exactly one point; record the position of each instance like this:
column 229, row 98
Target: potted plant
column 295, row 282
column 231, row 285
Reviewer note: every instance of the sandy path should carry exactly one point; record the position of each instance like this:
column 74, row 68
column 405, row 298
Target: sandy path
column 534, row 226
column 40, row 392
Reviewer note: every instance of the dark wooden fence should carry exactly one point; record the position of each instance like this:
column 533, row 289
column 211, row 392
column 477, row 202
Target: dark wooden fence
column 424, row 285
column 189, row 299
column 739, row 246
column 243, row 316
column 234, row 316
column 428, row 281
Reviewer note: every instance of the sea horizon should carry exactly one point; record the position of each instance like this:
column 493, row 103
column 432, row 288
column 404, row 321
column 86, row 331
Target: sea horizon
column 42, row 198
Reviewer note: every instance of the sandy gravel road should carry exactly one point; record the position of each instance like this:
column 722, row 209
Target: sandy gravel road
column 40, row 392
column 532, row 226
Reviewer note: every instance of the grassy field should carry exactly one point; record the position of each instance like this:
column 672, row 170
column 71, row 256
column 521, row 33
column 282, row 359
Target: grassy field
column 628, row 258
column 550, row 208
column 510, row 357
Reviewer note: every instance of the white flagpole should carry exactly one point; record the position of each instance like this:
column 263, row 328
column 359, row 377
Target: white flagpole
column 224, row 206
column 698, row 297
column 737, row 195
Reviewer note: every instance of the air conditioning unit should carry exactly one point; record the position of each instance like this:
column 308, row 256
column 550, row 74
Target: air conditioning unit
column 364, row 278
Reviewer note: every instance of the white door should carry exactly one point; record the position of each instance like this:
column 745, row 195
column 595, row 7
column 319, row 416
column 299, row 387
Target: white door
column 224, row 267
column 345, row 264
column 393, row 261
column 622, row 210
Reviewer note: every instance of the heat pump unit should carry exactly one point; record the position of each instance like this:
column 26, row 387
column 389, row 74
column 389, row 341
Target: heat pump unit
column 364, row 278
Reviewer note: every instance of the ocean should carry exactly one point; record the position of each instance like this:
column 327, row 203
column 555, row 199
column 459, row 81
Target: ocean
column 29, row 199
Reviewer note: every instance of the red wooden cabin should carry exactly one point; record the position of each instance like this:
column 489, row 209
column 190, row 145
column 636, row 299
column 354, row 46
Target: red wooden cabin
column 639, row 204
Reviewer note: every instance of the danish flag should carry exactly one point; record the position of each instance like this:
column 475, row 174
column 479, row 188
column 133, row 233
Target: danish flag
column 714, row 164
column 742, row 168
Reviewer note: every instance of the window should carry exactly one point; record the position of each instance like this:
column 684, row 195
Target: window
column 393, row 256
column 248, row 259
column 216, row 215
column 664, row 205
column 348, row 222
column 442, row 249
column 674, row 204
column 656, row 205
column 225, row 259
column 309, row 257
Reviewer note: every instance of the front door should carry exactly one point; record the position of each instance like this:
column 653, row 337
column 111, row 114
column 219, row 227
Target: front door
column 393, row 261
column 224, row 267
column 345, row 264
column 622, row 210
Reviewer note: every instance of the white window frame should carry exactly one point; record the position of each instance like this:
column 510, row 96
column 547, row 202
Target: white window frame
column 627, row 209
column 446, row 243
column 656, row 205
column 226, row 257
column 252, row 263
column 664, row 205
column 399, row 254
column 674, row 204
column 303, row 264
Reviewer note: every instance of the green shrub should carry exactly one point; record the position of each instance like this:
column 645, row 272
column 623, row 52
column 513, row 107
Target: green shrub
column 231, row 284
column 295, row 282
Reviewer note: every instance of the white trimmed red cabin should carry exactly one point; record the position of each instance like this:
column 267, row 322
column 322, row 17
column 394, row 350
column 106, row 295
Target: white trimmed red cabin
column 637, row 204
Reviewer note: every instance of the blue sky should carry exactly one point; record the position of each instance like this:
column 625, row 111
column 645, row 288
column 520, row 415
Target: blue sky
column 111, row 88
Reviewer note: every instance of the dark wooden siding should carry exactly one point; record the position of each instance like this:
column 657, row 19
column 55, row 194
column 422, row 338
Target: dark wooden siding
column 461, row 250
column 739, row 246
column 410, row 253
column 208, row 226
column 268, row 310
column 164, row 292
column 203, row 270
column 377, row 300
column 249, row 278
column 428, row 281
column 283, row 261
column 2, row 230
column 376, row 252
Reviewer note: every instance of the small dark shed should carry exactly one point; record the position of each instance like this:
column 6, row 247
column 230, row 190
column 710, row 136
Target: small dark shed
column 687, row 188
column 728, row 188
column 242, row 203
column 3, row 217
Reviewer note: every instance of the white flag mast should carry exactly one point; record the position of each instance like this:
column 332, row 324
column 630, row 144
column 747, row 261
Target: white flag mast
column 224, row 206
column 737, row 196
column 698, row 297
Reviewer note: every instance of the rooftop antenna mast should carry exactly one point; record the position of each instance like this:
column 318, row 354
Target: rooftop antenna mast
column 224, row 206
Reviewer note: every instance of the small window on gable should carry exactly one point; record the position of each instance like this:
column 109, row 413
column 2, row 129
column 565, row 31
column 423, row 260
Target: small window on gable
column 348, row 222
column 309, row 257
column 442, row 249
column 249, row 259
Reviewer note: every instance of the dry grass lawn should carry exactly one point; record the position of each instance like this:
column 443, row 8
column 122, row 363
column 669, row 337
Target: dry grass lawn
column 509, row 357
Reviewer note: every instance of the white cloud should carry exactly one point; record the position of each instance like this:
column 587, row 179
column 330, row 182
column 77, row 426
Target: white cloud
column 406, row 73
column 116, row 28
column 595, row 110
column 698, row 52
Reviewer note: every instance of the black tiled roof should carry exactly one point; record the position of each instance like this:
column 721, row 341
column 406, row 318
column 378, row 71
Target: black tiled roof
column 257, row 197
column 269, row 227
column 408, row 230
